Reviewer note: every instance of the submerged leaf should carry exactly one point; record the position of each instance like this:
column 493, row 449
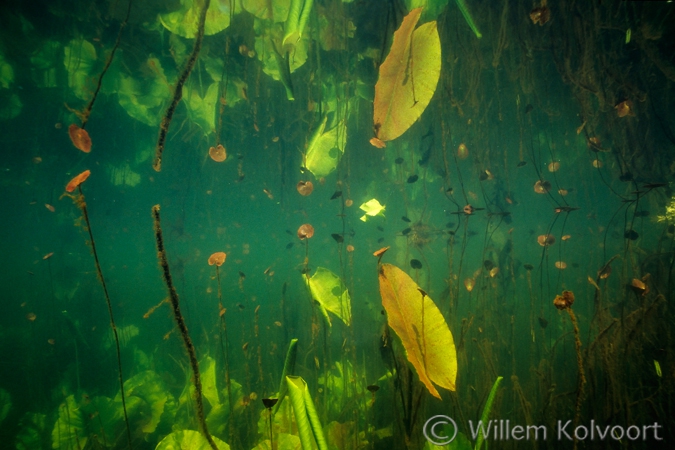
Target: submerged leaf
column 189, row 439
column 331, row 293
column 202, row 109
column 79, row 60
column 325, row 149
column 408, row 77
column 421, row 327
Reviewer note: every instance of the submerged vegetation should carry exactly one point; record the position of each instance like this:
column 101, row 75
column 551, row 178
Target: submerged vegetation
column 415, row 209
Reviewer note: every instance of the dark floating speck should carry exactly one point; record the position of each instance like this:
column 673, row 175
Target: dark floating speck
column 643, row 213
column 290, row 233
column 269, row 402
column 482, row 176
column 528, row 267
column 242, row 274
column 631, row 234
column 406, row 231
column 522, row 163
column 543, row 322
column 415, row 264
column 413, row 178
column 337, row 194
column 489, row 265
column 405, row 219
column 528, row 108
column 398, row 160
column 289, row 246
column 380, row 240
column 338, row 238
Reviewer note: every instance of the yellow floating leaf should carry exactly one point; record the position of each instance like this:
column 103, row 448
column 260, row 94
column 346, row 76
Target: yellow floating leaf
column 372, row 208
column 331, row 293
column 408, row 77
column 421, row 327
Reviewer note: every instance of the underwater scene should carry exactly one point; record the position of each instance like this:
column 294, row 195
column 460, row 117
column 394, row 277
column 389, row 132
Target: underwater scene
column 337, row 224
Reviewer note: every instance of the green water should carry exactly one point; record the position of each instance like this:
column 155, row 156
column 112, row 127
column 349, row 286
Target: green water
column 465, row 229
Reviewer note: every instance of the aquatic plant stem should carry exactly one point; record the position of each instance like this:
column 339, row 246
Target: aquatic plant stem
column 581, row 381
column 90, row 106
column 180, row 321
column 178, row 89
column 223, row 328
column 79, row 201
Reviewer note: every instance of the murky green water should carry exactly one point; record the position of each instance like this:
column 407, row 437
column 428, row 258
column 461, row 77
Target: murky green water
column 529, row 166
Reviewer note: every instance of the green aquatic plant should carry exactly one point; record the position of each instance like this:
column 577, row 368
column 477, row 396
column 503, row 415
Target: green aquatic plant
column 180, row 321
column 309, row 426
column 461, row 4
column 325, row 148
column 294, row 26
column 189, row 439
column 289, row 369
column 149, row 387
column 669, row 214
column 486, row 411
column 33, row 432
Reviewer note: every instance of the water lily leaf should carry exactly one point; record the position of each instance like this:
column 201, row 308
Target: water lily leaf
column 202, row 110
column 79, row 59
column 149, row 387
column 185, row 21
column 44, row 64
column 408, row 77
column 6, row 72
column 282, row 441
column 325, row 149
column 276, row 11
column 207, row 371
column 421, row 327
column 32, row 430
column 331, row 293
column 189, row 439
column 68, row 431
column 104, row 418
column 294, row 26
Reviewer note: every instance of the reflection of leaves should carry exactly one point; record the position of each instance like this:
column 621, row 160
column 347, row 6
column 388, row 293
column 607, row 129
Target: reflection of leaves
column 202, row 110
column 189, row 439
column 331, row 293
column 80, row 57
column 265, row 34
column 184, row 22
column 408, row 77
column 421, row 327
column 144, row 100
column 260, row 9
column 325, row 149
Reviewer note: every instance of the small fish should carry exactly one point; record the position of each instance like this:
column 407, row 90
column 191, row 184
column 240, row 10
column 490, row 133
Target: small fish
column 528, row 108
column 380, row 228
column 642, row 213
column 543, row 322
column 405, row 219
column 380, row 240
column 522, row 163
column 289, row 245
column 305, row 270
column 412, row 178
column 415, row 264
column 399, row 160
column 338, row 238
column 241, row 306
column 242, row 275
column 631, row 234
column 337, row 194
column 528, row 266
column 406, row 231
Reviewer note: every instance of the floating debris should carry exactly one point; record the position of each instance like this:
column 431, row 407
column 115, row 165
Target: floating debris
column 545, row 240
column 561, row 265
column 218, row 153
column 217, row 259
column 305, row 231
column 462, row 151
column 305, row 188
column 542, row 186
column 469, row 283
column 528, row 267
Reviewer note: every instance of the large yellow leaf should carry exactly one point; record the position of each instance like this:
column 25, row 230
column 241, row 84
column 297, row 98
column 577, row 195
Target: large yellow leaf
column 408, row 77
column 421, row 327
